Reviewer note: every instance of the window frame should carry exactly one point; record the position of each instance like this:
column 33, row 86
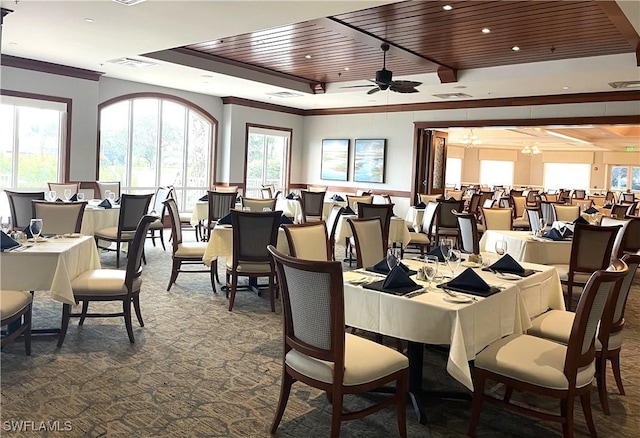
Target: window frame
column 629, row 187
column 287, row 167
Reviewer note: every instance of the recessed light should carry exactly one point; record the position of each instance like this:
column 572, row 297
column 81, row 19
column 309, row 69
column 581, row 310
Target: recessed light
column 515, row 48
column 346, row 69
column 486, row 30
column 308, row 56
column 460, row 86
column 447, row 7
column 89, row 20
column 565, row 88
column 13, row 43
column 207, row 76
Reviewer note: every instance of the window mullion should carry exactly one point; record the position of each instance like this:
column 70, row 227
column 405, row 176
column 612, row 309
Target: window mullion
column 159, row 142
column 129, row 156
column 16, row 147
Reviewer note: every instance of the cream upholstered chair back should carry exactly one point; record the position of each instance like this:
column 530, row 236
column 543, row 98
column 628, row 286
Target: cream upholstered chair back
column 266, row 193
column 162, row 193
column 632, row 261
column 584, row 204
column 428, row 217
column 317, row 189
column 370, row 245
column 59, row 217
column 429, row 198
column 59, row 188
column 551, row 197
column 382, row 211
column 352, row 201
column 566, row 213
column 497, row 218
column 534, row 214
column 256, row 204
column 308, row 241
column 468, row 229
column 112, row 186
column 618, row 247
column 176, row 229
column 226, row 189
column 518, row 204
column 20, row 207
column 579, row 194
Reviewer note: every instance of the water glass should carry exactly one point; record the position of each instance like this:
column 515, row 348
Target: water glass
column 454, row 261
column 501, row 247
column 393, row 258
column 51, row 195
column 107, row 194
column 36, row 228
column 266, row 209
column 5, row 221
column 430, row 268
column 112, row 197
column 446, row 245
column 542, row 225
column 67, row 194
column 80, row 196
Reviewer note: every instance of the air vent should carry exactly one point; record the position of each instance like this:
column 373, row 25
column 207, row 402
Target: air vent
column 129, row 2
column 625, row 84
column 451, row 95
column 284, row 94
column 130, row 62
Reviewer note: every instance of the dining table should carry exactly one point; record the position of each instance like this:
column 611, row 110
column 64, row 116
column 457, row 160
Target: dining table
column 221, row 243
column 97, row 218
column 467, row 326
column 398, row 230
column 413, row 218
column 49, row 264
column 525, row 247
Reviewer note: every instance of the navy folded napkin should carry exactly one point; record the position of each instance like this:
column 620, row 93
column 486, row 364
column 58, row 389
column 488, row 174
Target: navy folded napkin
column 204, row 198
column 291, row 195
column 74, row 198
column 59, row 200
column 27, row 232
column 566, row 232
column 397, row 283
column 437, row 251
column 469, row 280
column 420, row 205
column 105, row 204
column 580, row 220
column 226, row 220
column 239, row 199
column 383, row 268
column 6, row 242
column 507, row 264
column 553, row 234
column 591, row 210
column 337, row 198
column 608, row 206
column 284, row 220
column 348, row 210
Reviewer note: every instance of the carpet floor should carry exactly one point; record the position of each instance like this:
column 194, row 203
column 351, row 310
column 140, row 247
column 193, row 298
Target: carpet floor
column 198, row 370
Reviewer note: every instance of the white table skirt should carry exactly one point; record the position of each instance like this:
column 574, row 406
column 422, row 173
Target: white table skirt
column 201, row 212
column 50, row 265
column 413, row 218
column 290, row 208
column 221, row 243
column 522, row 246
column 95, row 219
column 467, row 328
column 398, row 231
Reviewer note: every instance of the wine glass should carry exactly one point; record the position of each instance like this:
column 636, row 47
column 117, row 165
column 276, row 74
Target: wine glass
column 36, row 228
column 107, row 194
column 430, row 268
column 454, row 260
column 80, row 196
column 51, row 195
column 392, row 258
column 446, row 245
column 67, row 194
column 112, row 196
column 501, row 247
column 5, row 221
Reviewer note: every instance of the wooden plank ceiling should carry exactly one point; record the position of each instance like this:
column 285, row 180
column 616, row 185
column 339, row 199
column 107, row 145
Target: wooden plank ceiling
column 424, row 38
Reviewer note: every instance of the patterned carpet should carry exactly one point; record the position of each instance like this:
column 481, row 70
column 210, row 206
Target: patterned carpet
column 197, row 370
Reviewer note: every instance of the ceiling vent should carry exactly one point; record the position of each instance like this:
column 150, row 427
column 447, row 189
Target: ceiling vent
column 451, row 95
column 130, row 62
column 625, row 84
column 284, row 94
column 129, row 2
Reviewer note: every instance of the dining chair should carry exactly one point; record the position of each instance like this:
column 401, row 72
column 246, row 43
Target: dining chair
column 590, row 251
column 423, row 238
column 362, row 192
column 15, row 308
column 332, row 225
column 158, row 209
column 266, row 193
column 112, row 186
column 631, row 242
column 610, row 198
column 528, row 363
column 252, row 232
column 59, row 217
column 20, row 207
column 628, row 197
column 579, row 194
column 620, row 210
column 59, row 188
column 317, row 189
column 486, row 196
column 111, row 285
column 311, row 204
column 497, row 218
column 445, row 223
column 219, row 205
column 551, row 197
column 547, row 211
column 621, row 236
column 488, row 203
column 425, row 198
column 556, row 325
column 318, row 352
column 259, row 204
column 186, row 253
column 383, row 211
column 225, row 189
column 534, row 214
column 532, row 197
column 308, row 241
column 584, row 204
column 518, row 206
column 565, row 213
column 132, row 209
column 386, row 198
column 352, row 201
column 370, row 245
column 468, row 230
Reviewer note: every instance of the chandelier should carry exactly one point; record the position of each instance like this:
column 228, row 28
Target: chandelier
column 531, row 150
column 470, row 140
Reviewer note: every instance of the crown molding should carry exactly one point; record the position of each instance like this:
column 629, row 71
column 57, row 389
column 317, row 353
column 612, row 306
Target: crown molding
column 49, row 67
column 230, row 100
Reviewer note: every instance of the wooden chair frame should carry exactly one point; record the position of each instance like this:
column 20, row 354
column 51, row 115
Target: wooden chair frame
column 20, row 207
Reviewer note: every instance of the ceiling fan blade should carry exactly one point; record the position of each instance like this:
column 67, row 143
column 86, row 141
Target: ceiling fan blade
column 360, row 86
column 403, row 90
column 373, row 90
column 406, row 84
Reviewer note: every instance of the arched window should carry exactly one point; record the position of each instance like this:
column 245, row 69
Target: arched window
column 151, row 140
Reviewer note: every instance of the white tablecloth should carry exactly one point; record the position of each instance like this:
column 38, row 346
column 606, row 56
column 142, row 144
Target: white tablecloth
column 467, row 328
column 522, row 246
column 221, row 243
column 49, row 265
column 95, row 219
column 201, row 212
column 290, row 208
column 413, row 219
column 398, row 231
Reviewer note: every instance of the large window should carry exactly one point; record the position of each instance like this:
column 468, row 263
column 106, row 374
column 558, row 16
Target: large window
column 567, row 176
column 625, row 178
column 496, row 173
column 267, row 159
column 149, row 142
column 31, row 139
column 453, row 176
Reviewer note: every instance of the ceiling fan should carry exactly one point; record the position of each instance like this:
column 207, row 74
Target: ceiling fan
column 384, row 79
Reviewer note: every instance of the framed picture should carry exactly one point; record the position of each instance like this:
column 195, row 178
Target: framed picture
column 335, row 159
column 369, row 160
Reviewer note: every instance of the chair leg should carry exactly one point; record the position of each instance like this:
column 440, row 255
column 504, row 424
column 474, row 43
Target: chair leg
column 162, row 240
column 615, row 367
column 214, row 264
column 272, row 293
column 566, row 411
column 153, row 238
column 234, row 286
column 476, row 405
column 118, row 254
column 401, row 404
column 174, row 272
column 27, row 332
column 336, row 415
column 126, row 307
column 601, row 379
column 285, row 390
column 136, row 306
column 85, row 309
column 66, row 315
column 585, row 400
column 213, row 270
